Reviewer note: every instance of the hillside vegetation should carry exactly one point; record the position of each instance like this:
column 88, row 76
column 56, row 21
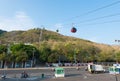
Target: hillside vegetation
column 53, row 47
column 35, row 35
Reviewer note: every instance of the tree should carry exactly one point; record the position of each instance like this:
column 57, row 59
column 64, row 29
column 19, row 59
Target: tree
column 28, row 49
column 3, row 56
column 23, row 53
column 53, row 58
column 117, row 57
column 45, row 51
column 21, row 56
column 3, row 48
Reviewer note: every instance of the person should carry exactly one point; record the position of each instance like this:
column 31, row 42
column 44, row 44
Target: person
column 78, row 68
column 3, row 76
column 24, row 74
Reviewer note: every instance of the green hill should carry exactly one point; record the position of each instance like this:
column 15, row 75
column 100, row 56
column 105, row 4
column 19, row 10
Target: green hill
column 35, row 35
column 54, row 44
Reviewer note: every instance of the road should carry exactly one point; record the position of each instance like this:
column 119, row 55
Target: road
column 71, row 74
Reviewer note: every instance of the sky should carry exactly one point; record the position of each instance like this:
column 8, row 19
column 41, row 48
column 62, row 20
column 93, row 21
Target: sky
column 92, row 19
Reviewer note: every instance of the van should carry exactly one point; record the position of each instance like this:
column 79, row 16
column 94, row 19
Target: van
column 93, row 68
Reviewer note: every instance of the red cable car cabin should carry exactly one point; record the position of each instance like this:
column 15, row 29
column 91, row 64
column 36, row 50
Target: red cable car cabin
column 73, row 30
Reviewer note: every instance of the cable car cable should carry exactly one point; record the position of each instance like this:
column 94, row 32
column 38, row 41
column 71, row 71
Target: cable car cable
column 97, row 18
column 113, row 21
column 95, row 10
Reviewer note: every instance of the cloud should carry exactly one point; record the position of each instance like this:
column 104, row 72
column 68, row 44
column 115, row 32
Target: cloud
column 20, row 21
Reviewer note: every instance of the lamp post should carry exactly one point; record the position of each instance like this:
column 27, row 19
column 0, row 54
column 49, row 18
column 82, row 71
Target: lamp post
column 33, row 57
column 75, row 56
column 116, row 61
column 74, row 53
column 118, row 41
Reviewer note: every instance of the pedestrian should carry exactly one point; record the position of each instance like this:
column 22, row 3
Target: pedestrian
column 24, row 74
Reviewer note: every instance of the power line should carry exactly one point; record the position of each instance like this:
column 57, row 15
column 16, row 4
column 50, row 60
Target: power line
column 95, row 10
column 97, row 18
column 113, row 21
column 102, row 17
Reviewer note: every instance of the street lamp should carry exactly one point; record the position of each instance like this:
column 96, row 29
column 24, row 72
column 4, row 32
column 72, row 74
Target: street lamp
column 33, row 57
column 115, row 54
column 75, row 56
column 116, row 61
column 75, row 61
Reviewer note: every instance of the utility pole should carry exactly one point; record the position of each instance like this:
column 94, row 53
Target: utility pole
column 75, row 61
column 118, row 41
column 116, row 61
column 33, row 57
column 75, row 56
column 40, row 37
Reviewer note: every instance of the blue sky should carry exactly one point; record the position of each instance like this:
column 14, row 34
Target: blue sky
column 60, row 14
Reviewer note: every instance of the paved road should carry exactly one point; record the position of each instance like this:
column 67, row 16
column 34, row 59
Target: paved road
column 71, row 74
column 32, row 72
column 82, row 75
column 98, row 77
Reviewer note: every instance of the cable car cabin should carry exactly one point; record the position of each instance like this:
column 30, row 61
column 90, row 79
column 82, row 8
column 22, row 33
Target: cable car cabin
column 73, row 30
column 59, row 72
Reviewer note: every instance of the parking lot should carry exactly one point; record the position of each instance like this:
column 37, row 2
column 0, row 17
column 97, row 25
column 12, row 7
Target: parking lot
column 82, row 75
column 71, row 74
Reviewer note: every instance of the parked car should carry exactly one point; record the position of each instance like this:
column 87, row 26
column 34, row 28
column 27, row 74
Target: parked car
column 28, row 65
